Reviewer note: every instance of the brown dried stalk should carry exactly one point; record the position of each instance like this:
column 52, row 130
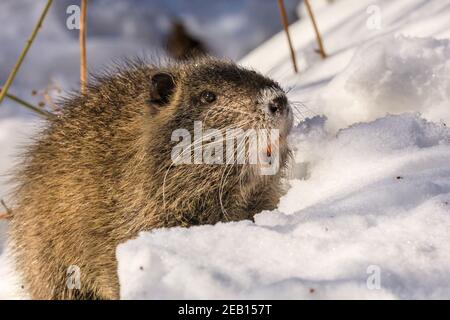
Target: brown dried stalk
column 25, row 49
column 28, row 105
column 286, row 29
column 316, row 30
column 83, row 63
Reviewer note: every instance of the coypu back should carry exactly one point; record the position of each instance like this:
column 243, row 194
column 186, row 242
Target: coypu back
column 101, row 171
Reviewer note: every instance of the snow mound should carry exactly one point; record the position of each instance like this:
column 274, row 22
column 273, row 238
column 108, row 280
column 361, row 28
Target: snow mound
column 368, row 211
column 376, row 197
column 391, row 75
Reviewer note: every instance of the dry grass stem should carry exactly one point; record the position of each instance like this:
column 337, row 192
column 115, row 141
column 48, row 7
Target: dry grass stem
column 316, row 30
column 25, row 49
column 284, row 20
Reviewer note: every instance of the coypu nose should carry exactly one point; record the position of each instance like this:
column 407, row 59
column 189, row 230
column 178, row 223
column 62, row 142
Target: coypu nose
column 278, row 106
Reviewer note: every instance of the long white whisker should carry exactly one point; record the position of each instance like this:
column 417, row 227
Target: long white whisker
column 222, row 184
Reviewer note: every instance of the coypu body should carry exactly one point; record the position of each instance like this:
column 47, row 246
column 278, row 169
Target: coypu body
column 101, row 171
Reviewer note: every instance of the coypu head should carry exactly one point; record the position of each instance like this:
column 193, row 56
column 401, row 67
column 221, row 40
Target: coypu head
column 197, row 108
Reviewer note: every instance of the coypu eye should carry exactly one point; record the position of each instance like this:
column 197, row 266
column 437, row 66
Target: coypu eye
column 208, row 97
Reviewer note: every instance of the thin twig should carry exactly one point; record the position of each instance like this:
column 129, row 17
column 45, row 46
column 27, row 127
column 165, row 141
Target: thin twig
column 25, row 49
column 29, row 106
column 83, row 63
column 316, row 30
column 286, row 29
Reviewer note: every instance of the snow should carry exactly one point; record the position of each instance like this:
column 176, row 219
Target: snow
column 403, row 74
column 378, row 194
column 367, row 214
column 10, row 287
column 371, row 179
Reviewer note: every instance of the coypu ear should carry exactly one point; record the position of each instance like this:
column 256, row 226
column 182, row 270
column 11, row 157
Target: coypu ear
column 161, row 89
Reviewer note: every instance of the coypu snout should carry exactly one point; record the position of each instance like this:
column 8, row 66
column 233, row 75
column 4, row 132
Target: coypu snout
column 276, row 105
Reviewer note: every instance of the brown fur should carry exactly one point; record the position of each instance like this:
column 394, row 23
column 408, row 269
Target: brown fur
column 94, row 176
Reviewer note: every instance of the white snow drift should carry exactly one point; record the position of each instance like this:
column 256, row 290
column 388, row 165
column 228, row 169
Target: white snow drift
column 368, row 214
column 376, row 196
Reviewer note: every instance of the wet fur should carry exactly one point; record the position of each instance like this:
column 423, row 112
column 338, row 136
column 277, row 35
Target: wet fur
column 94, row 176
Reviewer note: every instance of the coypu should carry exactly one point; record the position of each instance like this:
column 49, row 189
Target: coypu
column 101, row 171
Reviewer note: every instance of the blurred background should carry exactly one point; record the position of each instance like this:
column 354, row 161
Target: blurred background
column 117, row 29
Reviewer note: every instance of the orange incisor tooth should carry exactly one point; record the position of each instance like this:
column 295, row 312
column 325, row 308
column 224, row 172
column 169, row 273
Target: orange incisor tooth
column 269, row 150
column 269, row 147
